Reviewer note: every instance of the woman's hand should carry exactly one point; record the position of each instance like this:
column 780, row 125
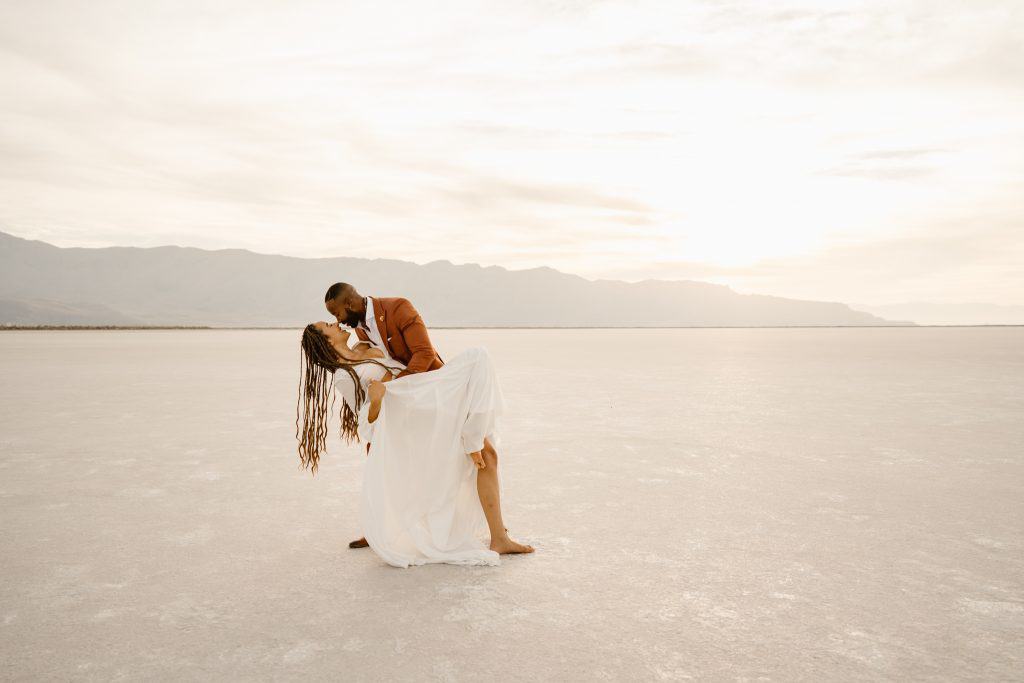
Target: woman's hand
column 478, row 459
column 376, row 391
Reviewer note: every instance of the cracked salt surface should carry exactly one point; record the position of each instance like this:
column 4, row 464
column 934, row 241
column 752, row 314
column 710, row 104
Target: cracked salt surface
column 824, row 504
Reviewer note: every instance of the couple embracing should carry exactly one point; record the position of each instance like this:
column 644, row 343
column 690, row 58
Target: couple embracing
column 431, row 486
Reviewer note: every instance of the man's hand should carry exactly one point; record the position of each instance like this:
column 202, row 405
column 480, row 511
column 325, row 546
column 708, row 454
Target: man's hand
column 478, row 460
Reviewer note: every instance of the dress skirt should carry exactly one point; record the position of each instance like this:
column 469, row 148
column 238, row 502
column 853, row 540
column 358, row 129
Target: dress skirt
column 419, row 501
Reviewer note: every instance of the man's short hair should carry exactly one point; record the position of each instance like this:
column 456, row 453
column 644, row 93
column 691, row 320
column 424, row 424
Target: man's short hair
column 336, row 290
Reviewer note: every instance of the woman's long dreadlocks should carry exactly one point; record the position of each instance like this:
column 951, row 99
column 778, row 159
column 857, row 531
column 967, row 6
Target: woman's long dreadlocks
column 318, row 362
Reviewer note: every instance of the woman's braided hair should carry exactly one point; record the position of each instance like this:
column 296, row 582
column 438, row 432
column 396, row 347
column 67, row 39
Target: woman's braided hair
column 318, row 362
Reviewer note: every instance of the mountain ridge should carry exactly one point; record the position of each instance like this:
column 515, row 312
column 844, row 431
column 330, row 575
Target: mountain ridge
column 173, row 285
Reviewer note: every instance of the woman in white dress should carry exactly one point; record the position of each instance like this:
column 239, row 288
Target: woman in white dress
column 421, row 502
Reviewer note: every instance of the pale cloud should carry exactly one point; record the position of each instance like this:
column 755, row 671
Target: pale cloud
column 888, row 164
column 788, row 147
column 898, row 153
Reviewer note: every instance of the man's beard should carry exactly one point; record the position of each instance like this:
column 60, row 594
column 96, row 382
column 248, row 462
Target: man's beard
column 353, row 319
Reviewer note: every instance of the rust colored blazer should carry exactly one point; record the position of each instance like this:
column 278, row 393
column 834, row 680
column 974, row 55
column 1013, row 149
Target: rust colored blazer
column 404, row 333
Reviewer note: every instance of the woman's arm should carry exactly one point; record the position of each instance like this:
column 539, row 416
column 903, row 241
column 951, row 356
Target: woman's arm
column 376, row 392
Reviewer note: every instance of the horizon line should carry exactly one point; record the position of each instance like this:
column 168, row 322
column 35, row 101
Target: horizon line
column 116, row 328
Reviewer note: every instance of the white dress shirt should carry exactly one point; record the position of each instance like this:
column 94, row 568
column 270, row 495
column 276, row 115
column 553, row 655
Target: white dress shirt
column 369, row 326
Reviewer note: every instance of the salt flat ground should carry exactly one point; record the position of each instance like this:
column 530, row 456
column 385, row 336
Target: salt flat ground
column 783, row 504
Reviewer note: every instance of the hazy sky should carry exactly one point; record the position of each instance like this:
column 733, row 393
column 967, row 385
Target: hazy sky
column 851, row 150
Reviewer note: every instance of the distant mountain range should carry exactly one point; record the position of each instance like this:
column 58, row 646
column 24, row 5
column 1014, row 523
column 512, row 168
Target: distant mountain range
column 929, row 313
column 41, row 284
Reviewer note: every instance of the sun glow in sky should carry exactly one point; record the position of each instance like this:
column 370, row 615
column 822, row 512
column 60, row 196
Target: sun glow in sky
column 855, row 150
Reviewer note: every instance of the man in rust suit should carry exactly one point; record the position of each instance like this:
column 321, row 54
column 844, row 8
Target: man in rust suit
column 389, row 322
column 394, row 324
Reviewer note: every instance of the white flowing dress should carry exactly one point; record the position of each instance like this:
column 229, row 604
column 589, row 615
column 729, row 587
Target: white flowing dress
column 419, row 502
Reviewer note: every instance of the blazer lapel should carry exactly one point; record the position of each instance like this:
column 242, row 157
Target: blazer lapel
column 382, row 328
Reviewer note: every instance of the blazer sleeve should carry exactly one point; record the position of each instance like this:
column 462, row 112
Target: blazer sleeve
column 414, row 332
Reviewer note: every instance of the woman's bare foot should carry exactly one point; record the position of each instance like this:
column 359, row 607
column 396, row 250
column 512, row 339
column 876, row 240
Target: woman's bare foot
column 506, row 546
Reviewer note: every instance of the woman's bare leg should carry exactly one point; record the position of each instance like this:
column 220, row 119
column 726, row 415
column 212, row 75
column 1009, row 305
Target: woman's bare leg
column 490, row 499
